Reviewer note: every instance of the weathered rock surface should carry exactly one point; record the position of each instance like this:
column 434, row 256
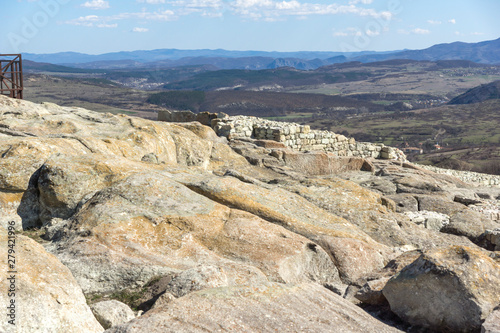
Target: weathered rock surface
column 263, row 308
column 47, row 297
column 189, row 222
column 319, row 163
column 112, row 313
column 452, row 289
column 492, row 323
column 148, row 225
column 298, row 215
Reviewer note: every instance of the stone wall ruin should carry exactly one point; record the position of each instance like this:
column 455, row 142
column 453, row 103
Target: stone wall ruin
column 294, row 136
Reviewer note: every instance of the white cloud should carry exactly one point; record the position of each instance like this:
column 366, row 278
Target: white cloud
column 372, row 33
column 212, row 15
column 104, row 21
column 420, row 31
column 347, row 32
column 416, row 31
column 96, row 4
column 458, row 33
column 265, row 10
column 290, row 5
column 434, row 22
column 340, row 34
column 140, row 29
column 106, row 25
column 366, row 2
column 452, row 21
column 86, row 21
column 151, row 2
column 208, row 8
column 259, row 9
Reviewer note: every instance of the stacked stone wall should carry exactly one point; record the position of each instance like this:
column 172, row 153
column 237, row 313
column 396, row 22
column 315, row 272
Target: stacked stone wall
column 301, row 137
column 294, row 136
column 468, row 176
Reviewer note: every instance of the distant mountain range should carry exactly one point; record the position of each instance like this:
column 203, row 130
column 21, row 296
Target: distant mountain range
column 175, row 54
column 487, row 52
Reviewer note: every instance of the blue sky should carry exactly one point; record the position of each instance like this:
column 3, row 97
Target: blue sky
column 100, row 26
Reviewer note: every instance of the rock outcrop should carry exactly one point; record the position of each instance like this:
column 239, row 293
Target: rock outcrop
column 112, row 313
column 206, row 233
column 452, row 289
column 266, row 308
column 39, row 294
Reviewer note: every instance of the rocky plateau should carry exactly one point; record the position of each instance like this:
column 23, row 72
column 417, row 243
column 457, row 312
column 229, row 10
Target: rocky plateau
column 125, row 225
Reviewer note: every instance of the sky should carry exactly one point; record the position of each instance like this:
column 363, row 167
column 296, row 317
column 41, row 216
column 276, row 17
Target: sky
column 102, row 26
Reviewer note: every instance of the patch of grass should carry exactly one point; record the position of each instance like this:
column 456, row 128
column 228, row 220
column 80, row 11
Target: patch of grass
column 94, row 298
column 131, row 297
column 128, row 297
column 35, row 234
column 291, row 117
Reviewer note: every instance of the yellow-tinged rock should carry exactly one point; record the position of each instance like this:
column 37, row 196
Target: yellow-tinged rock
column 46, row 296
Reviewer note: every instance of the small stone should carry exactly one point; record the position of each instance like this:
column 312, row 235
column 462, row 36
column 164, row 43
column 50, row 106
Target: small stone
column 112, row 313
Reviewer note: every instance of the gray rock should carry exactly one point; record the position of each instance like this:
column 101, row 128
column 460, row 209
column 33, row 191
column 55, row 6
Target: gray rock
column 452, row 289
column 439, row 204
column 429, row 220
column 418, row 184
column 163, row 299
column 470, row 224
column 112, row 313
column 404, row 202
column 493, row 236
column 381, row 184
column 197, row 278
column 265, row 308
column 466, row 200
column 150, row 158
column 492, row 323
column 371, row 292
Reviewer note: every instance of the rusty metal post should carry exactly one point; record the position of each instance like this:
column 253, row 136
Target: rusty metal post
column 11, row 75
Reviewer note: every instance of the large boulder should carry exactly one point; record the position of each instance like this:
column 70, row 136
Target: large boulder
column 470, row 224
column 149, row 225
column 112, row 313
column 266, row 308
column 366, row 211
column 449, row 289
column 137, row 229
column 282, row 255
column 298, row 215
column 47, row 299
column 58, row 195
column 319, row 163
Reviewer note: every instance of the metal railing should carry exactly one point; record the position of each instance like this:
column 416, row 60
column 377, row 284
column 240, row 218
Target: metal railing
column 11, row 75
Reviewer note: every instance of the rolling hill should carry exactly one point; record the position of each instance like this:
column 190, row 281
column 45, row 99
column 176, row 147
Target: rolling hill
column 479, row 94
